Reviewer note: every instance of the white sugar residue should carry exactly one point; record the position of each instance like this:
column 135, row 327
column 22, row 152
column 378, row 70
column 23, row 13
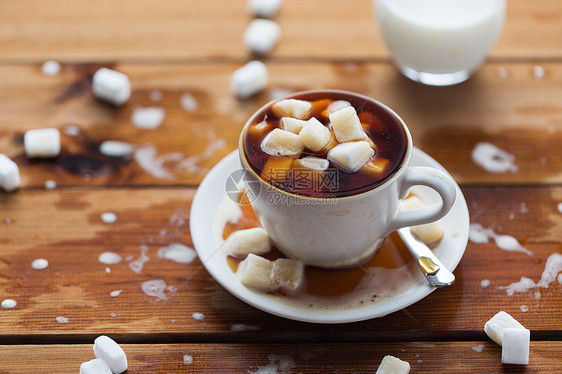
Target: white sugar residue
column 560, row 278
column 109, row 258
column 50, row 184
column 107, row 270
column 523, row 208
column 71, row 130
column 502, row 72
column 538, row 72
column 138, row 264
column 228, row 211
column 39, row 264
column 115, row 293
column 155, row 95
column 177, row 252
column 214, row 144
column 524, row 308
column 148, row 118
column 187, row 359
column 198, row 316
column 8, row 221
column 493, row 159
column 278, row 364
column 155, row 288
column 560, row 207
column 524, row 285
column 116, row 148
column 156, row 165
column 240, row 327
column 478, row 348
column 552, row 267
column 61, row 319
column 188, row 103
column 108, row 217
column 50, row 68
column 485, row 283
column 480, row 235
column 537, row 295
column 177, row 219
column 9, row 303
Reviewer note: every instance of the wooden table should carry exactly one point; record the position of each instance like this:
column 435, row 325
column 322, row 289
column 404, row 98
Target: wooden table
column 174, row 46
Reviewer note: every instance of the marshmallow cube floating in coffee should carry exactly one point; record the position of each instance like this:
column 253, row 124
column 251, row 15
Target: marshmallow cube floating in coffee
column 292, row 108
column 9, row 174
column 351, row 156
column 109, row 351
column 264, row 8
column 282, row 143
column 261, row 36
column 314, row 135
column 111, row 86
column 515, row 347
column 495, row 326
column 95, row 366
column 249, row 80
column 244, row 242
column 346, row 125
column 42, row 143
column 393, row 365
column 293, row 125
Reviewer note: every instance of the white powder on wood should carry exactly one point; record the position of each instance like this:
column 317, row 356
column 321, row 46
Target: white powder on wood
column 493, row 159
column 155, row 288
column 178, row 253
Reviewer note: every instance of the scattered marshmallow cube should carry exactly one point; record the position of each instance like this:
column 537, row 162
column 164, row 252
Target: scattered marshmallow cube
column 111, row 86
column 430, row 233
column 376, row 167
column 109, row 351
column 495, row 326
column 249, row 79
column 515, row 348
column 9, row 174
column 116, row 148
column 243, row 242
column 95, row 366
column 259, row 129
column 288, row 274
column 42, row 143
column 351, row 156
column 264, row 8
column 292, row 108
column 282, row 143
column 261, row 36
column 277, row 169
column 393, row 365
column 256, row 272
column 310, row 162
column 346, row 125
column 293, row 125
column 314, row 135
column 335, row 106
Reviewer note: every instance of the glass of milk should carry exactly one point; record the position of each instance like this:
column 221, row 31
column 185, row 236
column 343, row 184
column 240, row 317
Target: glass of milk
column 440, row 42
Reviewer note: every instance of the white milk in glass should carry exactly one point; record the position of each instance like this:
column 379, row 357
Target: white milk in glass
column 440, row 42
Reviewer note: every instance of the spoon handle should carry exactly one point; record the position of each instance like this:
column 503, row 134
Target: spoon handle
column 436, row 273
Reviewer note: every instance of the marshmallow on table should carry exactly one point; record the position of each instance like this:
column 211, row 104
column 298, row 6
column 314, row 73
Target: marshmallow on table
column 109, row 351
column 393, row 365
column 261, row 36
column 495, row 326
column 351, row 156
column 42, row 143
column 314, row 135
column 244, row 242
column 95, row 366
column 292, row 108
column 288, row 274
column 256, row 272
column 116, row 148
column 264, row 8
column 249, row 79
column 293, row 125
column 277, row 169
column 282, row 143
column 9, row 174
column 346, row 125
column 111, row 86
column 515, row 348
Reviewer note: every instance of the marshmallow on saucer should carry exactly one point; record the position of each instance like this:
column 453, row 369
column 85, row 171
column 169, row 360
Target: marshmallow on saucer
column 288, row 274
column 249, row 79
column 111, row 86
column 261, row 36
column 109, row 351
column 351, row 156
column 256, row 272
column 244, row 242
column 9, row 174
column 42, row 143
column 264, row 8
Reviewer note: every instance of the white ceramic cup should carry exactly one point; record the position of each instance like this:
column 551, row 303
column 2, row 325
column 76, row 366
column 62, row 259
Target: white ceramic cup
column 338, row 232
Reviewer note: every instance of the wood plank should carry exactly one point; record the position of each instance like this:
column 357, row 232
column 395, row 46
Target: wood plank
column 436, row 357
column 518, row 114
column 33, row 30
column 64, row 226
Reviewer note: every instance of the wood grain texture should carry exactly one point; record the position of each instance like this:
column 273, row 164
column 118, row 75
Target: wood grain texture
column 86, row 31
column 436, row 357
column 519, row 114
column 64, row 226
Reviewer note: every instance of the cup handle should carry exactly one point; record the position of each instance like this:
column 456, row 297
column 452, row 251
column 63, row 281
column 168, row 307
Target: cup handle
column 443, row 184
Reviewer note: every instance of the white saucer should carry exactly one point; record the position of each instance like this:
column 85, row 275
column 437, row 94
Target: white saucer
column 205, row 208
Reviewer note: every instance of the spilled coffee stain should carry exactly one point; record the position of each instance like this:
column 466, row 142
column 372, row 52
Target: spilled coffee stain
column 87, row 165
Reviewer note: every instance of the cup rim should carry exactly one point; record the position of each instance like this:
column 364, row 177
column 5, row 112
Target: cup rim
column 403, row 165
